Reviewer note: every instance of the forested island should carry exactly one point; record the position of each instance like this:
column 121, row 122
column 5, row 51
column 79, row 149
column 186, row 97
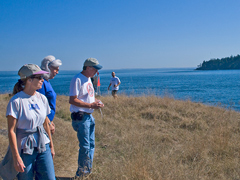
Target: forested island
column 232, row 62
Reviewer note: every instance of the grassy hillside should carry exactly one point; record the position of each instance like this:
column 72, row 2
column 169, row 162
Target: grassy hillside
column 143, row 138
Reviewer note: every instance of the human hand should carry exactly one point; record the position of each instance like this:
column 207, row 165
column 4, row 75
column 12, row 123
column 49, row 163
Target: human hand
column 52, row 152
column 100, row 102
column 97, row 104
column 52, row 128
column 19, row 165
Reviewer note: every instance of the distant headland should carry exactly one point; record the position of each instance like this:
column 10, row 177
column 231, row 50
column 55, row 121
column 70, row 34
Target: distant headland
column 232, row 62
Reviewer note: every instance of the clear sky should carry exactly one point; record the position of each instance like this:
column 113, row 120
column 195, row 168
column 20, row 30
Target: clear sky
column 119, row 33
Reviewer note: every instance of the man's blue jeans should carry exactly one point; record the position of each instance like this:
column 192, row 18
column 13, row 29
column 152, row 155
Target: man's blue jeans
column 39, row 163
column 85, row 129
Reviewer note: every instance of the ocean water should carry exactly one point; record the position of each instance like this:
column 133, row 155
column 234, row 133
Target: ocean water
column 217, row 88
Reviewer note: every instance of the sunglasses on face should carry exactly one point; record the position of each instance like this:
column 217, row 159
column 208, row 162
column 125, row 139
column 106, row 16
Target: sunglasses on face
column 54, row 68
column 36, row 77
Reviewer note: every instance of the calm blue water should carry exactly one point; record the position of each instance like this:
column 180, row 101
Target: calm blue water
column 208, row 87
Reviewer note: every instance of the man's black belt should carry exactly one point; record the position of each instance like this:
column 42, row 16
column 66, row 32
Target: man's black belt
column 78, row 116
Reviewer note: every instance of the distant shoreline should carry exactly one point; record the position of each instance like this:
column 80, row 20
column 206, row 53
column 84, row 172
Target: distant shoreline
column 227, row 63
column 198, row 69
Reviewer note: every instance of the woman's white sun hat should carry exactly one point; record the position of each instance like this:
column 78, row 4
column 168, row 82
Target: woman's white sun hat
column 50, row 61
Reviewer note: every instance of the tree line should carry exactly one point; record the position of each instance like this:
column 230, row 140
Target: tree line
column 232, row 62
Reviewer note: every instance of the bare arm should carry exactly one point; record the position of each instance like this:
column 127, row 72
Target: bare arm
column 118, row 84
column 76, row 102
column 17, row 160
column 51, row 126
column 109, row 86
column 47, row 129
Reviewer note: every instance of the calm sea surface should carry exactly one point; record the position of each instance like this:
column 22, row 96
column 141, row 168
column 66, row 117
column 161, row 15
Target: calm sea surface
column 209, row 87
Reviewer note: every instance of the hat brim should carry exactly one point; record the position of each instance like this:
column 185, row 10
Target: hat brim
column 98, row 67
column 41, row 72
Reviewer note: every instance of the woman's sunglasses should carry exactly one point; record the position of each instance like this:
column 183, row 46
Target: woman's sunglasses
column 36, row 77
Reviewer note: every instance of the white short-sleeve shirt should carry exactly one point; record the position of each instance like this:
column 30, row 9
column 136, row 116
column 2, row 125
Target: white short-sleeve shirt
column 82, row 87
column 114, row 81
column 30, row 112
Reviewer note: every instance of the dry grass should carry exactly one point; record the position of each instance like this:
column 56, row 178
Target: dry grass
column 150, row 137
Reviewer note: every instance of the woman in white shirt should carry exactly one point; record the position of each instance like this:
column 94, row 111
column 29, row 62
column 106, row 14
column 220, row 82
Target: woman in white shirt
column 31, row 149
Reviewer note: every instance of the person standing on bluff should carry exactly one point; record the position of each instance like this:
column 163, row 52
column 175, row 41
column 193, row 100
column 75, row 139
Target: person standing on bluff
column 51, row 65
column 83, row 102
column 31, row 149
column 114, row 82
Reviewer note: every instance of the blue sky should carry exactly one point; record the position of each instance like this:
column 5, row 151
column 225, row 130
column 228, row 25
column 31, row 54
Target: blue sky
column 119, row 33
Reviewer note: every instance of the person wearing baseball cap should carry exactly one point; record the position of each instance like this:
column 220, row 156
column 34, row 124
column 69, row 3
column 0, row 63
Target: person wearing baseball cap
column 82, row 104
column 28, row 130
column 93, row 63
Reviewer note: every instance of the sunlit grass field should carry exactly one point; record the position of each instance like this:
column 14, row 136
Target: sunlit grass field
column 149, row 137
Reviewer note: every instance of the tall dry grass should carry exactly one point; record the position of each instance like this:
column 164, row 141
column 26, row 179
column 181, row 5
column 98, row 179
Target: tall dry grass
column 149, row 137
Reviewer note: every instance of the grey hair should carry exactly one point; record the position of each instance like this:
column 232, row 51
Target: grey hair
column 48, row 61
